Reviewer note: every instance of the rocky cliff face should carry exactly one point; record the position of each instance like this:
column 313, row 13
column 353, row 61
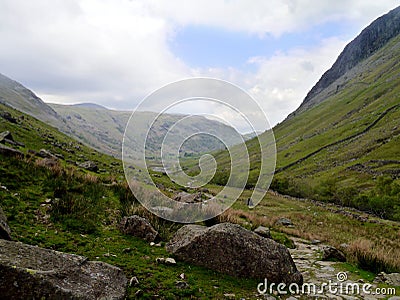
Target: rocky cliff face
column 371, row 39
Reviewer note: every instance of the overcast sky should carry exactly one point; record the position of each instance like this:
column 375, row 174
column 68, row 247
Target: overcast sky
column 115, row 52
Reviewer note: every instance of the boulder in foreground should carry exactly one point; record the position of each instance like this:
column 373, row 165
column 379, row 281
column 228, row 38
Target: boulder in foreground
column 28, row 272
column 233, row 250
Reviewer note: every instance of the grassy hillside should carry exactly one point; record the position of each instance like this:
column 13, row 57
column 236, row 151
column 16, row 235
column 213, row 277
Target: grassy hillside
column 67, row 208
column 347, row 148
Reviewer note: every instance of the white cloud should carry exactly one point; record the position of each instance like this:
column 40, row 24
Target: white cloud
column 114, row 52
column 282, row 81
column 273, row 17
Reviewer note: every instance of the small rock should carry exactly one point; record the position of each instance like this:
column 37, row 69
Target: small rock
column 134, row 281
column 170, row 261
column 181, row 284
column 89, row 165
column 49, row 162
column 43, row 153
column 167, row 261
column 315, row 242
column 182, row 276
column 263, row 231
column 126, row 250
column 331, row 253
column 230, row 296
column 139, row 227
column 284, row 222
column 7, row 116
column 6, row 135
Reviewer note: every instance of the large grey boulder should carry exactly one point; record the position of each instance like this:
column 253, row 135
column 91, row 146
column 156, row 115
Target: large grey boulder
column 233, row 250
column 5, row 231
column 139, row 227
column 28, row 272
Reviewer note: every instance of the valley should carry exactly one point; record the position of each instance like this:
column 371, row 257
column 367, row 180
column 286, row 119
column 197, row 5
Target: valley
column 71, row 226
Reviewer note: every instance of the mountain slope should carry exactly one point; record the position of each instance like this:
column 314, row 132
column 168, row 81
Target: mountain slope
column 371, row 39
column 342, row 140
column 19, row 97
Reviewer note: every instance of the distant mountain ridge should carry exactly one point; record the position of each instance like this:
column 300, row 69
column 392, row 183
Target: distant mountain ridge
column 370, row 40
column 102, row 128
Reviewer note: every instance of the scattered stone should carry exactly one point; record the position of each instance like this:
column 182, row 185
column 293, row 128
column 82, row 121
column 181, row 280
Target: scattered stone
column 7, row 116
column 181, row 284
column 230, row 296
column 49, row 162
column 89, row 165
column 343, row 246
column 167, row 261
column 5, row 231
column 315, row 242
column 188, row 198
column 6, row 136
column 139, row 227
column 59, row 156
column 134, row 281
column 231, row 249
column 331, row 253
column 182, row 276
column 28, row 272
column 126, row 250
column 43, row 153
column 284, row 222
column 263, row 231
column 390, row 279
column 10, row 151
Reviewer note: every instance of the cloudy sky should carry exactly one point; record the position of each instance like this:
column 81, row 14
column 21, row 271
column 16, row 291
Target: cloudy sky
column 115, row 52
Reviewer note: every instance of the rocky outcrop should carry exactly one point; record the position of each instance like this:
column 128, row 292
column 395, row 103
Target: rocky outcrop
column 28, row 272
column 7, row 116
column 233, row 250
column 8, row 151
column 371, row 39
column 89, row 165
column 139, row 227
column 5, row 231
